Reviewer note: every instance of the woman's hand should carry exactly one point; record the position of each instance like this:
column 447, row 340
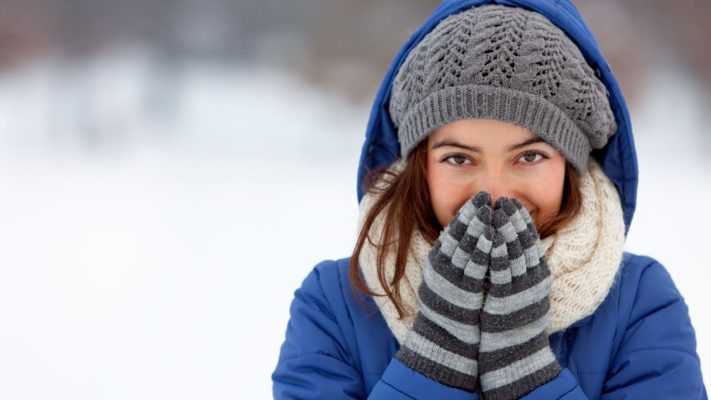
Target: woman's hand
column 515, row 356
column 443, row 343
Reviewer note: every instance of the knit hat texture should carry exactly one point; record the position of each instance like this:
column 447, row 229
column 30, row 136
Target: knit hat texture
column 508, row 64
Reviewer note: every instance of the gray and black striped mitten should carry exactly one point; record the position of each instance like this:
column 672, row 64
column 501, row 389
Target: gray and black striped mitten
column 443, row 343
column 514, row 356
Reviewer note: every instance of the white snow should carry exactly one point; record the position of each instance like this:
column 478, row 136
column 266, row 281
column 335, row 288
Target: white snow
column 161, row 264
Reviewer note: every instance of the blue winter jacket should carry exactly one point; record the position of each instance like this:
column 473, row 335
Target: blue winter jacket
column 639, row 343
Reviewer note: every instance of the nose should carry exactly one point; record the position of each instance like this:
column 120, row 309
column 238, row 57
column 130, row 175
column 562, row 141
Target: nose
column 494, row 183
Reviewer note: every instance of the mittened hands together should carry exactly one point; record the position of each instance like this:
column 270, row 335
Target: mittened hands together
column 483, row 304
column 514, row 355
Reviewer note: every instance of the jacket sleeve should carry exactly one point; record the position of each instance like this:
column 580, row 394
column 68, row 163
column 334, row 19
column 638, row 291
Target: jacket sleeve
column 657, row 357
column 563, row 387
column 314, row 362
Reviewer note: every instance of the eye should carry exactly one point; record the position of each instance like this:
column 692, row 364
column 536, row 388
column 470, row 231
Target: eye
column 529, row 157
column 457, row 160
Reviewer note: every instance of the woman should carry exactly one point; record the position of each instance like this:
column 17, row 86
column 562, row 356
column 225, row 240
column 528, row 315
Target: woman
column 489, row 262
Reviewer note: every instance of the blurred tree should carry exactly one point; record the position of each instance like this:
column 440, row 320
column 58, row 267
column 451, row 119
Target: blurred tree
column 351, row 44
column 342, row 45
column 329, row 36
column 681, row 27
column 23, row 33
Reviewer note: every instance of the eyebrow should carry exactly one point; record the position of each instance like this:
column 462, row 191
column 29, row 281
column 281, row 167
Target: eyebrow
column 452, row 143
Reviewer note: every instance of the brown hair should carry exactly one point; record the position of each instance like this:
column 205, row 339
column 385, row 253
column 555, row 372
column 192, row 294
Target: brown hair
column 407, row 199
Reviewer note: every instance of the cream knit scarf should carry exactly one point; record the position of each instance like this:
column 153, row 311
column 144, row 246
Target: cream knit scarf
column 583, row 257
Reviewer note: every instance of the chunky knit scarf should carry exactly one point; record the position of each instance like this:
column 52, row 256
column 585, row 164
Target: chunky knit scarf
column 583, row 257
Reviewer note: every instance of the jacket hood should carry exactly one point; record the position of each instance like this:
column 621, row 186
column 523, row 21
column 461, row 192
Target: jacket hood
column 618, row 159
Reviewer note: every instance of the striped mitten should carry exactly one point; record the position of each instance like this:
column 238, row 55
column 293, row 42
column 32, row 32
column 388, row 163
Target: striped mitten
column 515, row 356
column 443, row 343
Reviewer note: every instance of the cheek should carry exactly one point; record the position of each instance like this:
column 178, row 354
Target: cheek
column 547, row 194
column 446, row 193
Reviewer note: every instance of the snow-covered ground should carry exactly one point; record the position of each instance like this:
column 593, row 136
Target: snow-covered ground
column 162, row 265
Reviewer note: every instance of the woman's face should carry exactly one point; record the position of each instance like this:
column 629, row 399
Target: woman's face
column 503, row 159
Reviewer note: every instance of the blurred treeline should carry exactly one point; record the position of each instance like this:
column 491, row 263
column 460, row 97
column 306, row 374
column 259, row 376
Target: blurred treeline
column 342, row 45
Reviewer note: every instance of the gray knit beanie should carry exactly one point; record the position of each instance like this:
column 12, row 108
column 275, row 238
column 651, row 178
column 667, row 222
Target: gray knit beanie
column 508, row 64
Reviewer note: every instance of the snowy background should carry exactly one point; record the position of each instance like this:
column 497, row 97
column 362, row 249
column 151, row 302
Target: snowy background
column 141, row 206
